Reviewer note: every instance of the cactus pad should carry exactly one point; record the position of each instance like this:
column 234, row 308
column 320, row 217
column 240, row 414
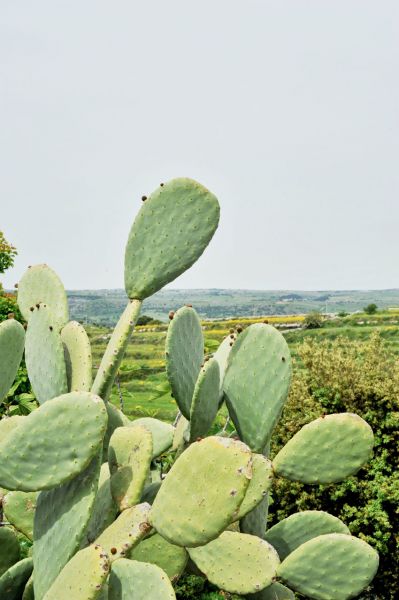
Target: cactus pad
column 38, row 457
column 276, row 591
column 115, row 350
column 158, row 551
column 222, row 356
column 170, row 232
column 12, row 339
column 77, row 353
column 44, row 355
column 83, row 577
column 104, row 509
column 8, row 424
column 256, row 383
column 127, row 531
column 300, row 527
column 184, row 355
column 216, row 471
column 19, row 509
column 41, row 285
column 334, row 565
column 134, row 580
column 61, row 514
column 29, row 593
column 9, row 549
column 13, row 581
column 205, row 403
column 162, row 434
column 326, row 450
column 129, row 459
column 237, row 562
column 262, row 477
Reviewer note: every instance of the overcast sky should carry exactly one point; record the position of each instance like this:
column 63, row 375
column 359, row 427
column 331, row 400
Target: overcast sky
column 287, row 110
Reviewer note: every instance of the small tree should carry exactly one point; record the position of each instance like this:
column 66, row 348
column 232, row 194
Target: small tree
column 7, row 254
column 370, row 309
column 313, row 320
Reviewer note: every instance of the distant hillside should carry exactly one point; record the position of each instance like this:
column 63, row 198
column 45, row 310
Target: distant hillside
column 103, row 307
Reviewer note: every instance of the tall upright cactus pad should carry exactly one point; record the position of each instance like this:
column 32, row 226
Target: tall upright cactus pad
column 13, row 581
column 12, row 339
column 202, row 491
column 330, row 566
column 62, row 514
column 29, row 592
column 19, row 509
column 41, row 285
column 205, row 403
column 261, row 481
column 287, row 535
column 162, row 434
column 9, row 549
column 184, row 351
column 158, row 551
column 83, row 577
column 256, row 383
column 222, row 356
column 171, row 231
column 133, row 580
column 38, row 457
column 326, row 450
column 115, row 350
column 129, row 459
column 237, row 562
column 44, row 355
column 78, row 361
column 127, row 531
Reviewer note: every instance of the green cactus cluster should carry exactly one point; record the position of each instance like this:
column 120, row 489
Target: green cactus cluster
column 80, row 480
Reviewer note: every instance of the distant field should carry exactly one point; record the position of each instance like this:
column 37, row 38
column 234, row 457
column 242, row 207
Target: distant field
column 143, row 385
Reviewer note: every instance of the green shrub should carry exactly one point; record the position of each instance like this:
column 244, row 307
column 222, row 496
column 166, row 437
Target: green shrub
column 360, row 377
column 313, row 320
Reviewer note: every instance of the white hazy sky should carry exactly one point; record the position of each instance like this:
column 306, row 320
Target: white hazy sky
column 287, row 110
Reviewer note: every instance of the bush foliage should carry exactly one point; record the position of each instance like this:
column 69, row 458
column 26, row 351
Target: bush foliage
column 359, row 377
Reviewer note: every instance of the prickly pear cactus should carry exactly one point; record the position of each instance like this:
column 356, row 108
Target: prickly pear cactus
column 83, row 482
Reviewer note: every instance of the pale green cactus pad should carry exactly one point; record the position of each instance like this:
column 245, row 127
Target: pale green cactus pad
column 205, row 403
column 83, row 577
column 184, row 351
column 129, row 459
column 256, row 383
column 216, row 471
column 326, row 450
column 254, row 522
column 8, row 424
column 44, row 356
column 9, row 549
column 127, row 531
column 262, row 478
column 158, row 551
column 29, row 593
column 38, row 457
column 78, row 361
column 300, row 527
column 237, row 562
column 12, row 339
column 150, row 492
column 41, row 285
column 62, row 514
column 182, row 433
column 116, row 418
column 222, row 356
column 104, row 510
column 330, row 566
column 19, row 509
column 13, row 581
column 276, row 591
column 115, row 350
column 134, row 580
column 162, row 434
column 170, row 232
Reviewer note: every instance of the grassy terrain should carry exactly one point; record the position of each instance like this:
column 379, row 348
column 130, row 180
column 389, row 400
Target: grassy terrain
column 143, row 388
